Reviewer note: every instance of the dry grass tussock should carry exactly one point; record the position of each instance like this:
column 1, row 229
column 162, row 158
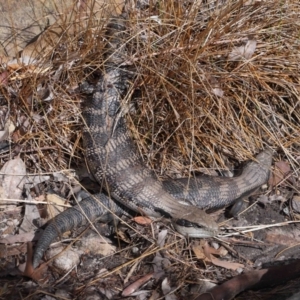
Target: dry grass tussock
column 201, row 102
column 213, row 83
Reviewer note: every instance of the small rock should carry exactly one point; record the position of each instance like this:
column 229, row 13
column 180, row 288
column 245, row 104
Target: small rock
column 96, row 244
column 66, row 260
column 135, row 250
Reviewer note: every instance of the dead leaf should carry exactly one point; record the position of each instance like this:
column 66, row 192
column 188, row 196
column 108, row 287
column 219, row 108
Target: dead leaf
column 37, row 274
column 162, row 238
column 198, row 251
column 203, row 251
column 209, row 251
column 142, row 220
column 136, row 285
column 3, row 77
column 54, row 210
column 122, row 235
column 9, row 127
column 32, row 181
column 3, row 58
column 160, row 264
column 166, row 289
column 31, row 213
column 17, row 238
column 12, row 177
column 243, row 52
column 13, row 65
column 54, row 205
column 67, row 176
column 225, row 264
column 281, row 170
column 7, row 251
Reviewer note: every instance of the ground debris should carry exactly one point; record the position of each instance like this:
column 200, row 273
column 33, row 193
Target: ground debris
column 216, row 81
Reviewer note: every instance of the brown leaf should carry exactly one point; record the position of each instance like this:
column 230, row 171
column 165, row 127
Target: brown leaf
column 135, row 285
column 37, row 274
column 209, row 251
column 281, row 170
column 54, row 210
column 225, row 264
column 123, row 236
column 198, row 251
column 142, row 220
column 4, row 77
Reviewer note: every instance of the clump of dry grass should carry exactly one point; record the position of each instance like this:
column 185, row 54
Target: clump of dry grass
column 196, row 107
column 42, row 96
column 182, row 119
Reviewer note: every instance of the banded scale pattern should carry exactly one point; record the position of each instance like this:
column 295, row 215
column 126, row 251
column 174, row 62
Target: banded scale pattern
column 212, row 192
column 112, row 155
column 114, row 161
column 91, row 208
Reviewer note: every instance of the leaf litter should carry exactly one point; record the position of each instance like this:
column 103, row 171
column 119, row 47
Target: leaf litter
column 216, row 81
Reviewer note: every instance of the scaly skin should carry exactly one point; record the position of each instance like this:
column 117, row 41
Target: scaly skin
column 114, row 161
column 89, row 209
column 112, row 155
column 212, row 192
